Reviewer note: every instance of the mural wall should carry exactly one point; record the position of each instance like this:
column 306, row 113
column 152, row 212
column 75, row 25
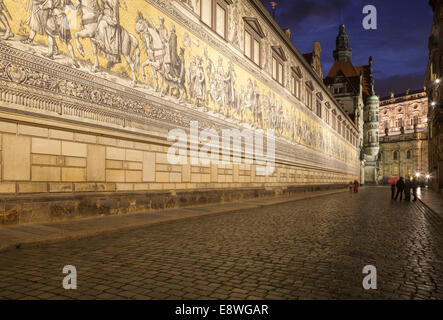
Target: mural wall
column 139, row 42
column 90, row 88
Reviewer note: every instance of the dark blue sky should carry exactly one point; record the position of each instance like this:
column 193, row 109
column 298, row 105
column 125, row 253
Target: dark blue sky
column 398, row 46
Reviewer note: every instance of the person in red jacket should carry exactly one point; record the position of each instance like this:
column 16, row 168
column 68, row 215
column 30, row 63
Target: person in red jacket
column 356, row 185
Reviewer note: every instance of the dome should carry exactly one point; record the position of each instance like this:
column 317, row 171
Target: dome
column 373, row 98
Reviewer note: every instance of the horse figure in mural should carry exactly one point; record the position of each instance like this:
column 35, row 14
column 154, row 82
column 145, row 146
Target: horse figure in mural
column 156, row 52
column 102, row 27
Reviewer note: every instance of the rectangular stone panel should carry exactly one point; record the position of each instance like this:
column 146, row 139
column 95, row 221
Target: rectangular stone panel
column 8, row 127
column 115, row 153
column 46, row 146
column 148, row 167
column 16, row 157
column 7, row 187
column 133, row 176
column 73, row 174
column 32, row 131
column 42, row 159
column 40, row 173
column 134, row 155
column 115, row 175
column 75, row 162
column 74, row 149
column 96, row 163
column 63, row 135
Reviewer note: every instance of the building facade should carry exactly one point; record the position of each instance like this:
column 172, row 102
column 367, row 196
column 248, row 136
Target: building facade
column 403, row 136
column 434, row 87
column 89, row 97
column 353, row 88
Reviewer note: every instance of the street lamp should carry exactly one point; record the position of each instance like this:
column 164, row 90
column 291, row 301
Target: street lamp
column 417, row 174
column 437, row 81
column 428, row 176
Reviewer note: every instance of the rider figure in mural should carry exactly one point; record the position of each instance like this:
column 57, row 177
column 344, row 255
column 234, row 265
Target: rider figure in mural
column 57, row 26
column 4, row 13
column 37, row 21
column 107, row 37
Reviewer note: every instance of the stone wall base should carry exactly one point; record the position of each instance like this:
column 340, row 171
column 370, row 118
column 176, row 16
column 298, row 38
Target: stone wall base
column 59, row 207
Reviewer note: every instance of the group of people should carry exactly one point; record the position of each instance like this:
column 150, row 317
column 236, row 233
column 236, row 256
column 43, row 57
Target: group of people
column 404, row 187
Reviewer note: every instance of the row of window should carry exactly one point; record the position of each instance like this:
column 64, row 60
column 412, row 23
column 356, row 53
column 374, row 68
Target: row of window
column 401, row 123
column 395, row 171
column 213, row 13
column 396, row 155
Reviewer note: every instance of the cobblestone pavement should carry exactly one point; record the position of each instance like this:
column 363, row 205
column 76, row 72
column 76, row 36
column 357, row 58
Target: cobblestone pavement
column 308, row 249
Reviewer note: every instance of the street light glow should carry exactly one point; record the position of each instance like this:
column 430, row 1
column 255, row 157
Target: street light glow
column 437, row 81
column 428, row 176
column 433, row 104
column 417, row 174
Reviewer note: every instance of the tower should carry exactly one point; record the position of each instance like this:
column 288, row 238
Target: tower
column 353, row 88
column 342, row 53
column 371, row 141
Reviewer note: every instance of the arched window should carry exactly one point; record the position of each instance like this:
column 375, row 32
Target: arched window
column 409, row 154
column 395, row 155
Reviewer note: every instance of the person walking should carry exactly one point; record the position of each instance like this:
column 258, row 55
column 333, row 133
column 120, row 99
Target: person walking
column 356, row 185
column 400, row 188
column 392, row 191
column 414, row 186
column 408, row 186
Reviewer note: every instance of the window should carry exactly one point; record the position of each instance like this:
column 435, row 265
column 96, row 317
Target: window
column 206, row 12
column 309, row 98
column 416, row 120
column 295, row 85
column 248, row 47
column 277, row 70
column 409, row 154
column 253, row 36
column 318, row 111
column 386, row 124
column 256, row 54
column 395, row 171
column 220, row 23
column 214, row 13
column 339, row 127
column 278, row 57
column 327, row 116
column 395, row 156
column 334, row 122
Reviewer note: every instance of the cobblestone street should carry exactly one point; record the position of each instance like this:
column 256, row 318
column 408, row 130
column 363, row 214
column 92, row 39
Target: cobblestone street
column 308, row 249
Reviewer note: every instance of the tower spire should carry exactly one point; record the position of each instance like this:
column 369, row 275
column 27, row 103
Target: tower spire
column 342, row 52
column 274, row 8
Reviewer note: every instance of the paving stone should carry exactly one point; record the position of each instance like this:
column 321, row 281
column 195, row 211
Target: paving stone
column 308, row 249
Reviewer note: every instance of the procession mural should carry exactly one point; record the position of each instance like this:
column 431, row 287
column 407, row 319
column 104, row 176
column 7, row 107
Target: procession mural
column 141, row 47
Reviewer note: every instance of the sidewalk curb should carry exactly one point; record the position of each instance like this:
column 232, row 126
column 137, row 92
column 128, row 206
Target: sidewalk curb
column 429, row 208
column 245, row 205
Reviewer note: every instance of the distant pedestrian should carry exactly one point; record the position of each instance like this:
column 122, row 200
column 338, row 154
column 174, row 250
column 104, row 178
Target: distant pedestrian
column 400, row 188
column 351, row 186
column 408, row 186
column 356, row 185
column 414, row 186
